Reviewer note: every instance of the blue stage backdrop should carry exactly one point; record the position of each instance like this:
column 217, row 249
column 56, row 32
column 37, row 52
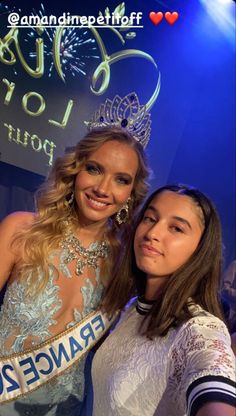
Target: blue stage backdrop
column 180, row 60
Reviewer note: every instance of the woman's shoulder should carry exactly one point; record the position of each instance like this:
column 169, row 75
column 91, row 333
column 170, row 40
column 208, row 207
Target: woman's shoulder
column 131, row 303
column 202, row 360
column 127, row 310
column 203, row 329
column 10, row 252
column 16, row 220
column 12, row 224
column 203, row 319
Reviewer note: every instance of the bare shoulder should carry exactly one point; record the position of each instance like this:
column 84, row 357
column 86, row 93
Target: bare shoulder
column 12, row 224
column 10, row 255
column 16, row 221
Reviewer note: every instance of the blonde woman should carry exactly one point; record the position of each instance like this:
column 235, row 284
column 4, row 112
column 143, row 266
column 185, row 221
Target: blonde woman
column 56, row 263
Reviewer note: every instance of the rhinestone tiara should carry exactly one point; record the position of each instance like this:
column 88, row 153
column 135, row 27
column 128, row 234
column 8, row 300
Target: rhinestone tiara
column 126, row 113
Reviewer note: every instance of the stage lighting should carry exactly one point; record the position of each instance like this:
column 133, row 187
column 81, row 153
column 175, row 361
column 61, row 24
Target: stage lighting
column 209, row 3
column 222, row 12
column 224, row 1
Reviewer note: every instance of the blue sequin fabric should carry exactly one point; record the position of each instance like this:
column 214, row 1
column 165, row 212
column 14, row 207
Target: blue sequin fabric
column 27, row 320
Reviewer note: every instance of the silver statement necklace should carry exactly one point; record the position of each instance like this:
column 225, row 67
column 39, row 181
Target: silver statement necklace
column 83, row 256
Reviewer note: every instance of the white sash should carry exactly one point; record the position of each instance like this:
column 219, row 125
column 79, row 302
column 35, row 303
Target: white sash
column 21, row 373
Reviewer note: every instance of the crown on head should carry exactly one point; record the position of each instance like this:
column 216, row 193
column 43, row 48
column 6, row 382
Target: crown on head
column 126, row 113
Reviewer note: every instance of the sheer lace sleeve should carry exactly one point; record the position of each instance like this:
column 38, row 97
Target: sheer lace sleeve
column 202, row 364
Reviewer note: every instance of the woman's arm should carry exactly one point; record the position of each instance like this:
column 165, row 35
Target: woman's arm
column 216, row 409
column 204, row 365
column 9, row 255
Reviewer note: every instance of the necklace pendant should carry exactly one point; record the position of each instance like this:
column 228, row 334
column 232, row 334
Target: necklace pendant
column 92, row 262
column 80, row 264
column 70, row 256
column 83, row 256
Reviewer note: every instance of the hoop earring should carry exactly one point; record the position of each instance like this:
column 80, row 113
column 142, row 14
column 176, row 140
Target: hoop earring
column 123, row 214
column 69, row 202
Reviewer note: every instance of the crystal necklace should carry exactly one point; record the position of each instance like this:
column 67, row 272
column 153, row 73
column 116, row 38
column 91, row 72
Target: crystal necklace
column 83, row 256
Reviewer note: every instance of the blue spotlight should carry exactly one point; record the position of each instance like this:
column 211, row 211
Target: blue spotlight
column 222, row 12
column 224, row 1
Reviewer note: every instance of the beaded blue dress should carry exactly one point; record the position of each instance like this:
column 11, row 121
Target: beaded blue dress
column 27, row 320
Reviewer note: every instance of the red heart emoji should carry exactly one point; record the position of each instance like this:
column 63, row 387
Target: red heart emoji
column 156, row 17
column 171, row 17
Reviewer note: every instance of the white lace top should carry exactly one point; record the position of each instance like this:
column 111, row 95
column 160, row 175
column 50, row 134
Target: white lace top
column 168, row 376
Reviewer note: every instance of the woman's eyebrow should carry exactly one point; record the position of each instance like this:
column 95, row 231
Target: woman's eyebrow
column 175, row 217
column 183, row 220
column 102, row 168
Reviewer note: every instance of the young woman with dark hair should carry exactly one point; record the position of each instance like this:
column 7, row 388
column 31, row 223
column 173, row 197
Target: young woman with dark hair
column 170, row 353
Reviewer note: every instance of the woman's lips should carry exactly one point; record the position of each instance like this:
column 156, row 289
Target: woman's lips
column 96, row 204
column 150, row 250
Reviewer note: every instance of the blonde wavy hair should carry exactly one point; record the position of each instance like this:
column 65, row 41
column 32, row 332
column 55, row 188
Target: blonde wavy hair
column 53, row 210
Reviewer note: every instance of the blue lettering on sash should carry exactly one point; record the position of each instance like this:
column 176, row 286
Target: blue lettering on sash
column 89, row 334
column 1, row 384
column 100, row 322
column 13, row 384
column 53, row 358
column 61, row 353
column 49, row 360
column 74, row 346
column 31, row 369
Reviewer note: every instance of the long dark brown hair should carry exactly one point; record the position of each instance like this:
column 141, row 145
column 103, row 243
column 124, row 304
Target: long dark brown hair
column 198, row 278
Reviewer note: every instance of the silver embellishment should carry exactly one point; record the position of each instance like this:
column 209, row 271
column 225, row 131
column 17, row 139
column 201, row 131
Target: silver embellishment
column 123, row 214
column 70, row 201
column 126, row 113
column 84, row 256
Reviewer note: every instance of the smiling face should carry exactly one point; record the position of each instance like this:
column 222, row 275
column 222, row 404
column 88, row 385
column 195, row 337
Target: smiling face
column 167, row 235
column 105, row 181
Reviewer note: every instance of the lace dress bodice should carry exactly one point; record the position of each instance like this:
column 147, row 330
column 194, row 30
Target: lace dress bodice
column 27, row 320
column 143, row 377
